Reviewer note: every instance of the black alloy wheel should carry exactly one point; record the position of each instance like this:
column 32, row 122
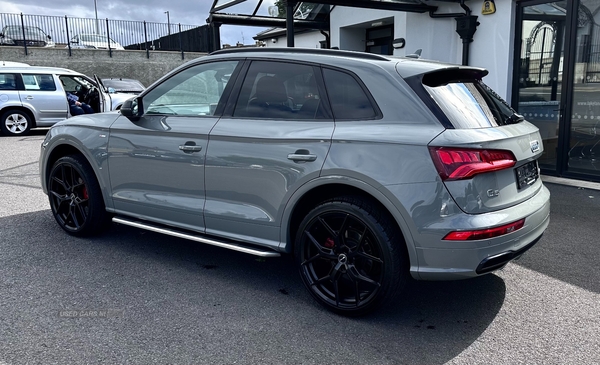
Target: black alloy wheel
column 75, row 196
column 347, row 256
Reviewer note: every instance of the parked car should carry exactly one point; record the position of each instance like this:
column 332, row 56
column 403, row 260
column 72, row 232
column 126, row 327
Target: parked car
column 368, row 169
column 16, row 35
column 129, row 86
column 96, row 41
column 33, row 96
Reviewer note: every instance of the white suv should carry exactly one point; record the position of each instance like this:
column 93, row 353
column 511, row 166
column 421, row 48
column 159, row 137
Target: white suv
column 36, row 96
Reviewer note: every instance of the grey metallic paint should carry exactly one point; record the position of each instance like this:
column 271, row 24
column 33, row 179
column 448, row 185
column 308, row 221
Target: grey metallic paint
column 252, row 188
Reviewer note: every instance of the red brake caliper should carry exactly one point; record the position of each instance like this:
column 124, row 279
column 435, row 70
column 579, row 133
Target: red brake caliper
column 329, row 243
column 85, row 194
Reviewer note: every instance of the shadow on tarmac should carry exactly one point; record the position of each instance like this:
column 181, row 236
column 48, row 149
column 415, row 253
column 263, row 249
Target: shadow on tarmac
column 206, row 299
column 569, row 249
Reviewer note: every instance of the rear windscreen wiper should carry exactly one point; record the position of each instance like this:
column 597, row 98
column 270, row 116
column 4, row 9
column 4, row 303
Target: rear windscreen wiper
column 514, row 119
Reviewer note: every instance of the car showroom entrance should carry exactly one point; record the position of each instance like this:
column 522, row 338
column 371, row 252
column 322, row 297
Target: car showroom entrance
column 557, row 82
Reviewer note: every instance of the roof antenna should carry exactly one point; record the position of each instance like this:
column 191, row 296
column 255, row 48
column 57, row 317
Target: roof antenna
column 417, row 54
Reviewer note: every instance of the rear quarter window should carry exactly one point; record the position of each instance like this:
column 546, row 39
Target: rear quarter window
column 8, row 82
column 348, row 98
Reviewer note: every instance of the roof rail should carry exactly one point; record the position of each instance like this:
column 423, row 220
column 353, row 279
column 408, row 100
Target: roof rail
column 321, row 51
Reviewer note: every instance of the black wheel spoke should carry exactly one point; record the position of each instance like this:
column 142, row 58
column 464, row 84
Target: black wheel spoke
column 328, row 228
column 362, row 238
column 336, row 292
column 319, row 248
column 342, row 232
column 369, row 257
column 306, row 262
column 357, row 293
column 356, row 276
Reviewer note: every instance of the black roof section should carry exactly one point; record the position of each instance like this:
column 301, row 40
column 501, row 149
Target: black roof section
column 316, row 51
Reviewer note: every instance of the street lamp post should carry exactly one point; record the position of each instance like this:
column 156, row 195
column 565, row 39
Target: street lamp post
column 96, row 10
column 168, row 22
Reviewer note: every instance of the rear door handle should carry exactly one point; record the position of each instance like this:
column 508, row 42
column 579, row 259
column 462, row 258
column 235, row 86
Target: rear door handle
column 190, row 147
column 29, row 97
column 302, row 156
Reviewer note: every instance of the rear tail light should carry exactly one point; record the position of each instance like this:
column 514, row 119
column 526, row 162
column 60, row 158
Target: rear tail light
column 464, row 163
column 485, row 233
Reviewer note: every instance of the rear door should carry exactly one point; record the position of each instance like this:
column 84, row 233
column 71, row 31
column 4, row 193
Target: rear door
column 42, row 95
column 487, row 155
column 271, row 141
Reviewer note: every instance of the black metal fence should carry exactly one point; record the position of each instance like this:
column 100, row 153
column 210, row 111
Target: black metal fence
column 68, row 32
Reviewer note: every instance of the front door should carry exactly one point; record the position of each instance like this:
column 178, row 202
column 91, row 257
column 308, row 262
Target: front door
column 156, row 163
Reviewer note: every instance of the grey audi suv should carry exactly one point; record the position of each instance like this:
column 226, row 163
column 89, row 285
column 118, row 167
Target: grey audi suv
column 368, row 169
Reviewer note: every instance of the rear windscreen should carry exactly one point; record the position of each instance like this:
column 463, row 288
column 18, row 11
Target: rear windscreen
column 470, row 104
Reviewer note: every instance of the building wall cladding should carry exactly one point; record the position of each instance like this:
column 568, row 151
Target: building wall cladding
column 125, row 64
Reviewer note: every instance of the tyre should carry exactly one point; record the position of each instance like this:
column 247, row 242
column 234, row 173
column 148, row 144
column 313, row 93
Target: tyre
column 15, row 122
column 75, row 196
column 352, row 258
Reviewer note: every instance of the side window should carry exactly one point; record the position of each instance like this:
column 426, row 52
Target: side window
column 279, row 90
column 8, row 82
column 347, row 97
column 39, row 82
column 192, row 92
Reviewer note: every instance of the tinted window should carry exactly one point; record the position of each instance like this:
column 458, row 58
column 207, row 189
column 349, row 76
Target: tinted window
column 8, row 82
column 347, row 97
column 280, row 90
column 192, row 92
column 39, row 82
column 471, row 105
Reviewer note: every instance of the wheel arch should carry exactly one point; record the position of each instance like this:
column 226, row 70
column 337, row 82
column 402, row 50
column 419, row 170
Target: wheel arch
column 65, row 149
column 320, row 190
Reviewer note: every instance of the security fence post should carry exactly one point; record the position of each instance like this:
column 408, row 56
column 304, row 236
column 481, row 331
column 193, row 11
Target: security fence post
column 23, row 30
column 146, row 40
column 68, row 38
column 180, row 42
column 108, row 39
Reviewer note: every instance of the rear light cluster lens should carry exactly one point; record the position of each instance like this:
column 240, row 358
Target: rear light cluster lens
column 464, row 163
column 485, row 233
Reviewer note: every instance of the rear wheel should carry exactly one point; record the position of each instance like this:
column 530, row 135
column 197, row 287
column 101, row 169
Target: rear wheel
column 75, row 196
column 350, row 256
column 15, row 122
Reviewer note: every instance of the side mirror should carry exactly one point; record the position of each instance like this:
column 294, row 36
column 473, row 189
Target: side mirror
column 49, row 37
column 132, row 109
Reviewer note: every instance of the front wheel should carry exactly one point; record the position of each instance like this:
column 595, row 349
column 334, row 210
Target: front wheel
column 15, row 122
column 352, row 259
column 75, row 196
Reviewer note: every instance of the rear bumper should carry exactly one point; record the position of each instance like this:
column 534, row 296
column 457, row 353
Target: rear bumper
column 451, row 260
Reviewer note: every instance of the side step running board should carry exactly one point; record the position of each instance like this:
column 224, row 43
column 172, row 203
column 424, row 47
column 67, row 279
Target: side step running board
column 197, row 238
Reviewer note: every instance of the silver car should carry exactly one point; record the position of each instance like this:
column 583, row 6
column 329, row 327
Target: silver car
column 368, row 169
column 33, row 96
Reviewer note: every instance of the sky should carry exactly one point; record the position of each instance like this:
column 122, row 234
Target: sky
column 185, row 12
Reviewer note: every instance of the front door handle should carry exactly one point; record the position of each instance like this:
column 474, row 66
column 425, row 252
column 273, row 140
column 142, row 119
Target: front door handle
column 29, row 97
column 190, row 147
column 302, row 156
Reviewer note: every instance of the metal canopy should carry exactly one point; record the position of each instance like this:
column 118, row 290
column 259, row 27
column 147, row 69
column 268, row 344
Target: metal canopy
column 297, row 15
